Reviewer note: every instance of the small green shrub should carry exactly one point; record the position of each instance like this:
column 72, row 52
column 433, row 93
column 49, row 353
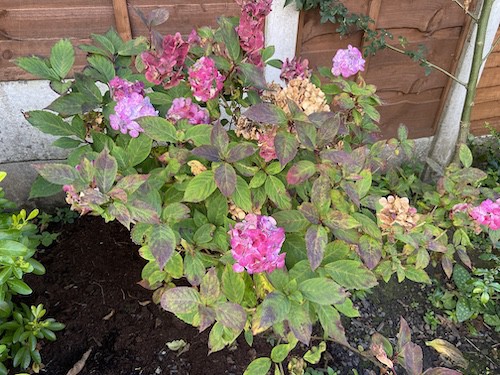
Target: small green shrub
column 21, row 326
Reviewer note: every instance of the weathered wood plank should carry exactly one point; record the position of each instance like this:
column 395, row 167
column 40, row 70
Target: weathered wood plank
column 478, row 126
column 486, row 110
column 490, row 78
column 122, row 19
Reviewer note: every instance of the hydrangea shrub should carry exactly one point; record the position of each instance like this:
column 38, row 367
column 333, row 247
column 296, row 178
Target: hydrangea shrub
column 264, row 198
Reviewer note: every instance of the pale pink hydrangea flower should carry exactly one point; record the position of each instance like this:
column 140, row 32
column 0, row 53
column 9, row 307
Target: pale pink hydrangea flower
column 460, row 207
column 487, row 214
column 348, row 62
column 295, row 68
column 266, row 143
column 165, row 67
column 193, row 37
column 205, row 80
column 256, row 243
column 120, row 88
column 127, row 110
column 184, row 108
column 251, row 28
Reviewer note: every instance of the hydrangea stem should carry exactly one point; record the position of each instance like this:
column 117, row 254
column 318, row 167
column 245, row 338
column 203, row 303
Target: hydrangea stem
column 477, row 61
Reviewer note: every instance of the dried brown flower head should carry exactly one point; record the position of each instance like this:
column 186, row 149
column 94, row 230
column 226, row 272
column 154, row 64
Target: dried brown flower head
column 396, row 210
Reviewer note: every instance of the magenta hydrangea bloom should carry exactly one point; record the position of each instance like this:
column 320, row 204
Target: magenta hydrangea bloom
column 184, row 108
column 165, row 67
column 487, row 214
column 251, row 28
column 295, row 68
column 256, row 243
column 205, row 80
column 348, row 62
column 266, row 143
column 193, row 37
column 121, row 87
column 127, row 110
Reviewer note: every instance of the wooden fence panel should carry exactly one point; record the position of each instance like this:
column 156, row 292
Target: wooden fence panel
column 31, row 27
column 410, row 97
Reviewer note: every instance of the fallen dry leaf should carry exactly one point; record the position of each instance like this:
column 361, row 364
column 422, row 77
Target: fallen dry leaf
column 78, row 367
column 449, row 351
column 110, row 315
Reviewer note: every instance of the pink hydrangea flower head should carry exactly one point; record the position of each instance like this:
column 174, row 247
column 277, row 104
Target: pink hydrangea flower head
column 127, row 110
column 184, row 108
column 348, row 62
column 256, row 243
column 460, row 207
column 295, row 68
column 266, row 143
column 205, row 80
column 165, row 67
column 487, row 214
column 121, row 87
column 193, row 37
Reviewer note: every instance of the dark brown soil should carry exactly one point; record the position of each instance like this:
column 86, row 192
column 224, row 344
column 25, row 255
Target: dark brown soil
column 91, row 286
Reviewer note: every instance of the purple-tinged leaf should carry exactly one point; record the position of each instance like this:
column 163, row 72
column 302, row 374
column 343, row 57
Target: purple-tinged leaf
column 412, row 358
column 378, row 339
column 121, row 213
column 437, row 247
column 211, row 153
column 175, row 212
column 351, row 192
column 370, row 251
column 180, row 300
column 230, row 37
column 447, row 265
column 329, row 319
column 132, row 182
column 310, row 212
column 106, row 168
column 300, row 172
column 286, row 146
column 219, row 138
column 336, row 219
column 225, row 179
column 266, row 113
column 316, row 240
column 464, row 257
column 351, row 274
column 320, row 194
column 404, row 334
column 323, row 291
column 241, row 151
column 207, row 317
column 210, row 287
column 93, row 196
column 307, row 134
column 162, row 243
column 143, row 212
column 118, row 194
column 157, row 17
column 253, row 75
column 59, row 174
column 275, row 308
column 328, row 130
column 337, row 157
column 300, row 322
column 194, row 269
column 381, row 355
column 441, row 371
column 297, row 113
column 231, row 315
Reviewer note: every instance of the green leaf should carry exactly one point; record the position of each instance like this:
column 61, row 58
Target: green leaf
column 106, row 168
column 465, row 155
column 363, row 186
column 300, row 172
column 316, row 240
column 200, row 187
column 42, row 188
column 252, row 76
column 322, row 291
column 217, row 208
column 60, row 174
column 276, row 191
column 19, row 286
column 233, row 285
column 199, row 134
column 257, row 180
column 62, row 57
column 180, row 300
column 300, row 322
column 329, row 319
column 241, row 196
column 103, row 66
column 351, row 274
column 67, row 143
column 138, row 149
column 463, row 310
column 225, row 179
column 275, row 309
column 69, row 104
column 259, row 366
column 418, row 276
column 313, row 355
column 12, row 249
column 370, row 251
column 38, row 67
column 291, row 220
column 204, row 234
column 104, row 42
column 286, row 146
column 175, row 266
column 158, row 128
column 175, row 212
column 210, row 287
column 231, row 39
column 231, row 315
column 162, row 243
column 88, row 87
column 336, row 219
column 280, row 352
column 49, row 123
column 194, row 268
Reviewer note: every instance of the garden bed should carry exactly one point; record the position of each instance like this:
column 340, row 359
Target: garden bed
column 91, row 286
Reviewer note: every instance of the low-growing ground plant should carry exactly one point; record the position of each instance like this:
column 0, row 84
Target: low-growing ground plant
column 258, row 208
column 21, row 326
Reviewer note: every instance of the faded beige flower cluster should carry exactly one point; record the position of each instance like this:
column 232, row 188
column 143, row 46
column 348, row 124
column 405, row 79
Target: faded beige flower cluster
column 396, row 210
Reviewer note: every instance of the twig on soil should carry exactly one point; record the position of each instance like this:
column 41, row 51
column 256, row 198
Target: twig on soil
column 78, row 367
column 102, row 291
column 480, row 353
